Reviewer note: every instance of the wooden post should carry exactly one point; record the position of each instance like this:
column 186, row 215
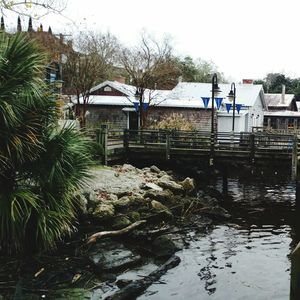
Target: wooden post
column 295, row 274
column 168, row 145
column 295, row 157
column 252, row 147
column 104, row 138
column 126, row 142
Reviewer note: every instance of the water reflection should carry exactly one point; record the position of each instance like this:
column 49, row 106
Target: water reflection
column 248, row 259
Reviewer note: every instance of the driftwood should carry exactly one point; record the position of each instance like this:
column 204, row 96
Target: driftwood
column 137, row 287
column 101, row 234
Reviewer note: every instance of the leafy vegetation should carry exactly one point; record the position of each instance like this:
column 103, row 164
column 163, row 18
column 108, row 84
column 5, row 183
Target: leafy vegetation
column 175, row 121
column 41, row 166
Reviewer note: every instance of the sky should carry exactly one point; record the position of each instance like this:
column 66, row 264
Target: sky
column 245, row 39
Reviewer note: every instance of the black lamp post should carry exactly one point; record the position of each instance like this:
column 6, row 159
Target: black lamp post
column 231, row 97
column 215, row 90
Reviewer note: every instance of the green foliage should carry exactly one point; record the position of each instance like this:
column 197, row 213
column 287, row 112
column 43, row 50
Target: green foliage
column 274, row 81
column 197, row 70
column 174, row 121
column 41, row 166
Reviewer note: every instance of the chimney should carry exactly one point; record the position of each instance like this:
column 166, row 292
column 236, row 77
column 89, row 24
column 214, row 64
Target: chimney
column 283, row 94
column 120, row 79
column 247, row 81
column 2, row 28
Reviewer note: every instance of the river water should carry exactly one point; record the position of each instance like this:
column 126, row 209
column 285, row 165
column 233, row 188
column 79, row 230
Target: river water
column 245, row 259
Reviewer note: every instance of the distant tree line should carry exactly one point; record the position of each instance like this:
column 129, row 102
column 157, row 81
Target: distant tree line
column 274, row 81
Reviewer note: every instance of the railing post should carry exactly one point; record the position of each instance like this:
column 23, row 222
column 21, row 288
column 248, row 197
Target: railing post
column 168, row 145
column 252, row 147
column 126, row 142
column 104, row 138
column 295, row 157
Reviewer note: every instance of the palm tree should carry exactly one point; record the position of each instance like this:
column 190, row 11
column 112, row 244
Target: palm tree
column 41, row 166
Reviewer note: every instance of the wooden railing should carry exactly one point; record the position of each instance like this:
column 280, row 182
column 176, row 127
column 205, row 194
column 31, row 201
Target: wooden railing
column 251, row 146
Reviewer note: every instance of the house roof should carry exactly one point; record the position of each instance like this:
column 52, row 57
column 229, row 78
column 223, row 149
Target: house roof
column 246, row 94
column 282, row 113
column 275, row 100
column 184, row 95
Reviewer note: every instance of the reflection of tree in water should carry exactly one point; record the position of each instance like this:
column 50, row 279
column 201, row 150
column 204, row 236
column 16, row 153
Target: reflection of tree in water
column 229, row 242
column 207, row 275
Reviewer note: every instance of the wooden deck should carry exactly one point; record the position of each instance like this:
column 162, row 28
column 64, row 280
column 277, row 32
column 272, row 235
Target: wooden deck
column 194, row 146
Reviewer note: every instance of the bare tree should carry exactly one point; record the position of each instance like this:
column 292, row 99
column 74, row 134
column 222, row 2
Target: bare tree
column 150, row 66
column 35, row 8
column 90, row 64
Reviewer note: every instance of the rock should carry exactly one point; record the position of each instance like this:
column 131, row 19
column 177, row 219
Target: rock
column 103, row 212
column 163, row 246
column 154, row 169
column 122, row 283
column 166, row 183
column 122, row 202
column 91, row 198
column 151, row 186
column 134, row 216
column 158, row 207
column 120, row 222
column 112, row 197
column 161, row 196
column 188, row 184
column 113, row 256
column 128, row 167
column 218, row 212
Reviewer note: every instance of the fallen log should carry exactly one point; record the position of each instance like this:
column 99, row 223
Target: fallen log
column 101, row 234
column 137, row 287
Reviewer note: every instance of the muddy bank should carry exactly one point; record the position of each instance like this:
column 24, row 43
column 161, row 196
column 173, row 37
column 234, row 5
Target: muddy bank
column 117, row 198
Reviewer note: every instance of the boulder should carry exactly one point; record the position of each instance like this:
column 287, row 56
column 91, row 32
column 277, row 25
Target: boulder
column 188, row 184
column 158, row 207
column 154, row 169
column 120, row 222
column 134, row 216
column 128, row 168
column 122, row 202
column 163, row 246
column 112, row 257
column 103, row 212
column 151, row 186
column 164, row 196
column 166, row 183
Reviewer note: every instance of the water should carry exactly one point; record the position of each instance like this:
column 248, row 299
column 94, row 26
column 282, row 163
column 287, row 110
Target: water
column 248, row 259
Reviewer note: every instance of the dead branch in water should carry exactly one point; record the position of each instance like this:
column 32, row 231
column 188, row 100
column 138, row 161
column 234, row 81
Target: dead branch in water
column 101, row 234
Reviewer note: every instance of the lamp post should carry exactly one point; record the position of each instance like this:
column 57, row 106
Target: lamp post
column 138, row 97
column 231, row 96
column 215, row 90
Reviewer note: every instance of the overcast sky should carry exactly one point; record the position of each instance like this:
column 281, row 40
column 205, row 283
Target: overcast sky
column 245, row 39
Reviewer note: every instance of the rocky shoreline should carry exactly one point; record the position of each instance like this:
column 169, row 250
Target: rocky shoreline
column 122, row 195
column 146, row 215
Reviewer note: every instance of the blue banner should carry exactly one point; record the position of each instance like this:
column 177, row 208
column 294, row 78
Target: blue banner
column 228, row 106
column 145, row 106
column 205, row 101
column 218, row 102
column 136, row 106
column 238, row 107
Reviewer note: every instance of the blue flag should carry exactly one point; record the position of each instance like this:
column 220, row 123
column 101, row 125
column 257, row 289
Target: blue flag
column 136, row 106
column 205, row 101
column 145, row 106
column 228, row 106
column 238, row 107
column 218, row 102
